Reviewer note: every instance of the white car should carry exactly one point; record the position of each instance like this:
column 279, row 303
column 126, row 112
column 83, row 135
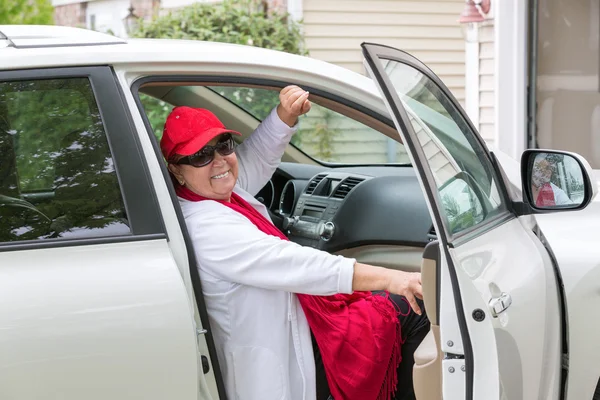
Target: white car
column 100, row 294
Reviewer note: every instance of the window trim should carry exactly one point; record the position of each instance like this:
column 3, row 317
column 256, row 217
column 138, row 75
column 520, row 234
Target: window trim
column 221, row 80
column 135, row 186
column 459, row 238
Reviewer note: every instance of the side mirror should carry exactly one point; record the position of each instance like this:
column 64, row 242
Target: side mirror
column 556, row 181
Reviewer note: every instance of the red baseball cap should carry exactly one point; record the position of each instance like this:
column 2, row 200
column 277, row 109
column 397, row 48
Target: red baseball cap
column 188, row 129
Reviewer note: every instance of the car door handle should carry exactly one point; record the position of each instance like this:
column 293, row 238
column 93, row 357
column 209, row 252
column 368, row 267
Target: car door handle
column 499, row 304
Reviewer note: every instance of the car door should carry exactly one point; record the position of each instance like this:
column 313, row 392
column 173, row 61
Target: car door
column 499, row 304
column 93, row 305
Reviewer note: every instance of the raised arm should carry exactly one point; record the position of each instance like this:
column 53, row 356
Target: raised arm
column 261, row 153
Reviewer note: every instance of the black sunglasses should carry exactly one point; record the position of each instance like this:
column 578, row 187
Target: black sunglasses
column 205, row 155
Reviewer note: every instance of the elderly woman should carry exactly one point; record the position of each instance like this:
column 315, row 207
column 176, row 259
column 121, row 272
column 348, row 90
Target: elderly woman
column 544, row 192
column 266, row 295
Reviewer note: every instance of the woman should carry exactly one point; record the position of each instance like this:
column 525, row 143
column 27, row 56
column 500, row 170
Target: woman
column 546, row 193
column 265, row 295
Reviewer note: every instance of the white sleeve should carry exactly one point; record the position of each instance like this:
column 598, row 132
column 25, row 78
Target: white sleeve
column 560, row 197
column 228, row 246
column 261, row 153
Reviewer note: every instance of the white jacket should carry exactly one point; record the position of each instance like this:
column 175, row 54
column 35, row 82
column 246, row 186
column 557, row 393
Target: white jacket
column 260, row 331
column 560, row 197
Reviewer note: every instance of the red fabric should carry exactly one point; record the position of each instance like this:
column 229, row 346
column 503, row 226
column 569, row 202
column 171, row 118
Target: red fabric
column 358, row 334
column 189, row 129
column 545, row 197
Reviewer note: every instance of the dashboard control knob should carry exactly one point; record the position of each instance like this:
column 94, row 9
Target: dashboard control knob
column 288, row 222
column 326, row 231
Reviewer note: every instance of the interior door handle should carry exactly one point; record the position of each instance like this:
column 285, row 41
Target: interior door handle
column 499, row 304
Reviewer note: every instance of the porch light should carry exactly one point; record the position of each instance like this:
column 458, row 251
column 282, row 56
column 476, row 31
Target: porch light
column 130, row 21
column 472, row 17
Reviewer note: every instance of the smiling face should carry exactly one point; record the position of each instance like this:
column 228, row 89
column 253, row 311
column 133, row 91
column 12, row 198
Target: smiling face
column 542, row 172
column 213, row 181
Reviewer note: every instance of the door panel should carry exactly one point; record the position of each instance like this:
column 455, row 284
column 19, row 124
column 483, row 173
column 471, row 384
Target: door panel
column 523, row 343
column 403, row 258
column 108, row 321
column 489, row 256
column 94, row 304
column 427, row 372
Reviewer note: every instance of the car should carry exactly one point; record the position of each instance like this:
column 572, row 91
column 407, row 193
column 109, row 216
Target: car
column 98, row 280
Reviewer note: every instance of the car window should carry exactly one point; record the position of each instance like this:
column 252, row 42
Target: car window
column 57, row 177
column 157, row 111
column 323, row 134
column 464, row 177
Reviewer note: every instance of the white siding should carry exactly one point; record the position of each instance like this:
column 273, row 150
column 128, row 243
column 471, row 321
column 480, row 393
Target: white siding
column 440, row 161
column 334, row 30
column 486, row 83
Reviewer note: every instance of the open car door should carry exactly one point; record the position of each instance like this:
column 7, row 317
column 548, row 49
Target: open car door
column 497, row 326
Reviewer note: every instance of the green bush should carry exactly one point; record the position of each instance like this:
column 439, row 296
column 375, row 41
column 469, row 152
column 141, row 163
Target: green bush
column 241, row 22
column 26, row 12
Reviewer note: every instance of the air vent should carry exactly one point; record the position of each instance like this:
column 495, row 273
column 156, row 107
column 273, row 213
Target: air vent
column 432, row 235
column 312, row 185
column 345, row 187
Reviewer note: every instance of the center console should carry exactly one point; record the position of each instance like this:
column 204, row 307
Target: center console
column 310, row 215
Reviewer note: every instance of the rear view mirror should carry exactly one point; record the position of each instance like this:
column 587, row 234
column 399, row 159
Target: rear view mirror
column 556, row 180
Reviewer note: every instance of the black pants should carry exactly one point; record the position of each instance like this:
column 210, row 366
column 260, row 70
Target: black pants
column 414, row 327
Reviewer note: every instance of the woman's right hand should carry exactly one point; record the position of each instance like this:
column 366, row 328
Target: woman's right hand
column 293, row 102
column 407, row 284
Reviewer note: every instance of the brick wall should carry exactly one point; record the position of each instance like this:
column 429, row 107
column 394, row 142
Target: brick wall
column 74, row 14
column 70, row 14
column 145, row 8
column 279, row 5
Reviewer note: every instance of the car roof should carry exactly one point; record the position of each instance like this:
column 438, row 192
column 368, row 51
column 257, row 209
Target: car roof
column 38, row 46
column 35, row 36
column 31, row 47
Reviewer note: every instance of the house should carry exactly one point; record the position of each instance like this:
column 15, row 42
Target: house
column 549, row 45
column 334, row 29
column 532, row 76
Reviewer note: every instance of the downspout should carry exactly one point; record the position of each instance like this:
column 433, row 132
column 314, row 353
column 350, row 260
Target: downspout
column 532, row 84
column 295, row 13
column 294, row 8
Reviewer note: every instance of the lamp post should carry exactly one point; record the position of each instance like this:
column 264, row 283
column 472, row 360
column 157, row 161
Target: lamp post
column 472, row 17
column 130, row 21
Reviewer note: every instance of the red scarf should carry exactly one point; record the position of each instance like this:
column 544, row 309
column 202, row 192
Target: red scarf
column 545, row 197
column 358, row 334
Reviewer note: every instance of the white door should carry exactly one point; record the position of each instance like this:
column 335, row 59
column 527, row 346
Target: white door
column 499, row 304
column 93, row 305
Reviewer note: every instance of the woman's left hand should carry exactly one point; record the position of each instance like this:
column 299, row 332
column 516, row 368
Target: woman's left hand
column 293, row 102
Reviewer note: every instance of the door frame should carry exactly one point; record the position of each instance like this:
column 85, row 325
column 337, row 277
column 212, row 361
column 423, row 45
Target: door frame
column 203, row 78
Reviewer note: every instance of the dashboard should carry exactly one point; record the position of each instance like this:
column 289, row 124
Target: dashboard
column 333, row 209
